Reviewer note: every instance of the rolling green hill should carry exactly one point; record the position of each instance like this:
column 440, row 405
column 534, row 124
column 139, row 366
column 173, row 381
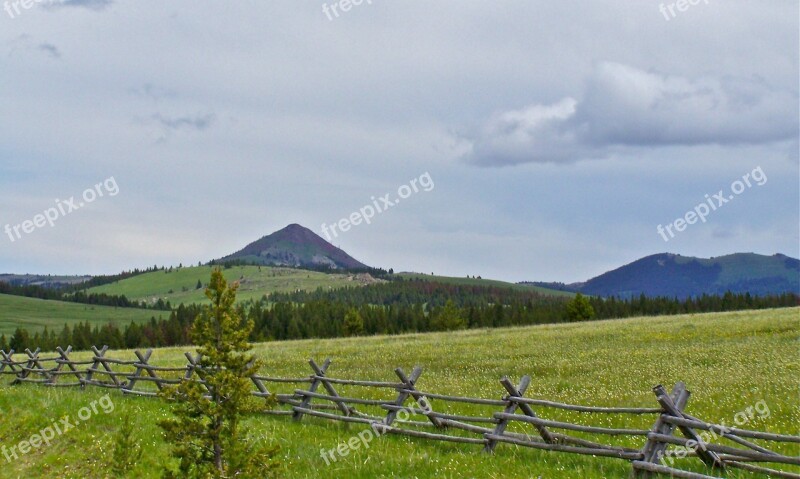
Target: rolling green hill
column 180, row 285
column 34, row 314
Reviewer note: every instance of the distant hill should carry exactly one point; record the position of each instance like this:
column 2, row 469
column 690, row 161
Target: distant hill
column 46, row 281
column 685, row 276
column 295, row 246
column 36, row 314
column 179, row 285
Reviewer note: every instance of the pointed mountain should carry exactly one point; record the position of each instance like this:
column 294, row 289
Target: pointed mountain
column 295, row 246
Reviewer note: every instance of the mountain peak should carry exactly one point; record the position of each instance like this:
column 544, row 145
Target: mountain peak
column 296, row 246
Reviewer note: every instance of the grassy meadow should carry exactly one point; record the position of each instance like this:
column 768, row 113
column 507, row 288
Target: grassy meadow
column 729, row 361
column 34, row 314
column 180, row 285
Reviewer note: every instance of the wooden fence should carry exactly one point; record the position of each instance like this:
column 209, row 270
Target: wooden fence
column 511, row 410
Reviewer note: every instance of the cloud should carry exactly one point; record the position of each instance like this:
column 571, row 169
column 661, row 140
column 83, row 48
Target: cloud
column 623, row 107
column 197, row 122
column 536, row 133
column 154, row 92
column 25, row 42
column 166, row 125
column 50, row 50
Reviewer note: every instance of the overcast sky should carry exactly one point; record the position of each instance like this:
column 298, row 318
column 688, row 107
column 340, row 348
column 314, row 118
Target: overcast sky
column 558, row 135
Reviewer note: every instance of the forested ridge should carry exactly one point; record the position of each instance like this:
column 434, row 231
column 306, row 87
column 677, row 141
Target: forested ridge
column 395, row 307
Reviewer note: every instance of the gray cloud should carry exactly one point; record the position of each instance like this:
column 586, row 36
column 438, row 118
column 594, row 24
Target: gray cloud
column 196, row 122
column 624, row 107
column 25, row 42
column 50, row 49
column 154, row 92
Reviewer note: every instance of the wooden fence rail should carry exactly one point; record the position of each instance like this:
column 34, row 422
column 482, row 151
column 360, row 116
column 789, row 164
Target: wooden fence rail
column 318, row 395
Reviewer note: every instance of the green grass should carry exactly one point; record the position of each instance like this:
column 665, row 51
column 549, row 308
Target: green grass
column 729, row 361
column 34, row 314
column 254, row 281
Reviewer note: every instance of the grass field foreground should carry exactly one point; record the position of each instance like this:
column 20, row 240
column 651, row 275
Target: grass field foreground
column 729, row 361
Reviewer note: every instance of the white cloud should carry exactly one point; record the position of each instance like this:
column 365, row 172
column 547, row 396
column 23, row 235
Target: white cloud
column 536, row 133
column 624, row 107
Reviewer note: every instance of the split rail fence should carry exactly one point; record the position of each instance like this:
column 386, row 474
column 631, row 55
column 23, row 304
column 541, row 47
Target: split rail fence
column 512, row 411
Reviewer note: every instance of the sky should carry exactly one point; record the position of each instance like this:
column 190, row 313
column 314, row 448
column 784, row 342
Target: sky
column 529, row 140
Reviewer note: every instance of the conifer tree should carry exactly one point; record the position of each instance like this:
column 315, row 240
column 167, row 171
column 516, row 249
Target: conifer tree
column 205, row 432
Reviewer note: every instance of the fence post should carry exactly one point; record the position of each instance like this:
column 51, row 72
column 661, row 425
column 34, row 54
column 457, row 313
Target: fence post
column 653, row 450
column 709, row 457
column 298, row 415
column 260, row 385
column 510, row 408
column 143, row 361
column 318, row 372
column 514, row 393
column 409, row 389
column 25, row 371
column 64, row 360
column 6, row 361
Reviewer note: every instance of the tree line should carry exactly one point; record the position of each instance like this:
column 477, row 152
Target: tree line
column 372, row 310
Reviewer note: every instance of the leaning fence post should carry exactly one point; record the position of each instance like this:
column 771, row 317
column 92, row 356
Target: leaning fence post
column 298, row 415
column 709, row 457
column 61, row 361
column 513, row 393
column 143, row 359
column 26, row 370
column 408, row 390
column 510, row 408
column 329, row 387
column 653, row 449
column 6, row 361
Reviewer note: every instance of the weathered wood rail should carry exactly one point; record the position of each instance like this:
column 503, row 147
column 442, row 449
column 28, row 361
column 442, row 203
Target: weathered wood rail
column 139, row 377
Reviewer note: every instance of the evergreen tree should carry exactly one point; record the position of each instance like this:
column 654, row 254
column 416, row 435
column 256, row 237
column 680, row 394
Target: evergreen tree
column 580, row 309
column 127, row 448
column 65, row 337
column 449, row 318
column 353, row 323
column 205, row 431
column 20, row 340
